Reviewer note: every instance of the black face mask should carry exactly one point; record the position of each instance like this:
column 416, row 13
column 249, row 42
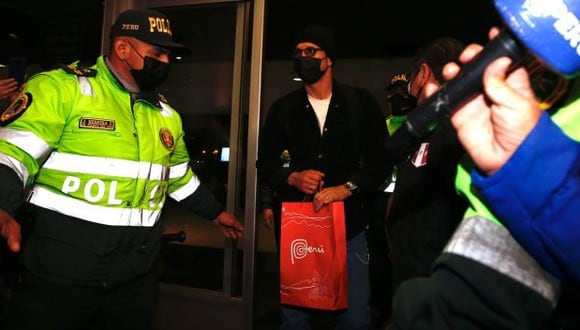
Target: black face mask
column 401, row 104
column 153, row 74
column 308, row 69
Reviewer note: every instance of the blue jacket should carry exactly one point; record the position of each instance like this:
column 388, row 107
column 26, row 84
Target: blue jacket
column 536, row 194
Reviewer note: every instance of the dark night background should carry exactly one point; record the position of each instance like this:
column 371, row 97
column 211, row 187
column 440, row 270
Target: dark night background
column 50, row 32
column 57, row 31
column 379, row 28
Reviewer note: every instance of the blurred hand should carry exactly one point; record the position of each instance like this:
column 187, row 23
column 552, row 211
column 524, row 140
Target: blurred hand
column 268, row 216
column 8, row 89
column 307, row 181
column 229, row 225
column 329, row 195
column 494, row 124
column 10, row 230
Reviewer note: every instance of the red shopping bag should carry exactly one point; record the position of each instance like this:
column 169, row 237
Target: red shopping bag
column 313, row 256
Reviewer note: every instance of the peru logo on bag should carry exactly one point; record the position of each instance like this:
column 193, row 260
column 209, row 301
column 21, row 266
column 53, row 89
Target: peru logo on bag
column 313, row 256
column 299, row 249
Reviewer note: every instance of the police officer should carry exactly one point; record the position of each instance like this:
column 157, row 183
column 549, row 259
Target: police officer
column 99, row 150
column 399, row 101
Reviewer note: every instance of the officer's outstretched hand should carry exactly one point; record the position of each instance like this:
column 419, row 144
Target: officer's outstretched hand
column 8, row 88
column 268, row 216
column 10, row 230
column 229, row 225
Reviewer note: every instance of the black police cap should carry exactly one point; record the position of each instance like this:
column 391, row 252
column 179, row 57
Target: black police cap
column 149, row 26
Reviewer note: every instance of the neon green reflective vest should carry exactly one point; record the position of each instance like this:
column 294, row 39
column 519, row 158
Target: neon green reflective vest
column 394, row 122
column 87, row 151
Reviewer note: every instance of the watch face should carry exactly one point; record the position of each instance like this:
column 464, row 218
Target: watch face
column 350, row 186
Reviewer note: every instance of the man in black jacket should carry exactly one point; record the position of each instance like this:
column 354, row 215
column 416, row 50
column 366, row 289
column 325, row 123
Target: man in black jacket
column 332, row 134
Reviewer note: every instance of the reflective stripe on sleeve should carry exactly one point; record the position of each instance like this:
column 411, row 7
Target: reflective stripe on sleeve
column 188, row 189
column 105, row 166
column 27, row 141
column 490, row 244
column 178, row 171
column 16, row 166
column 94, row 213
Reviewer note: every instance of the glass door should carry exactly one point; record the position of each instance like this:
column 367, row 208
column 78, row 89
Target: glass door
column 200, row 88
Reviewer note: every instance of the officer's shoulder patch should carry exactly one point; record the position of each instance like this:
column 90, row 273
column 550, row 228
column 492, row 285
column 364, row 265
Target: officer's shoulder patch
column 167, row 138
column 81, row 71
column 15, row 109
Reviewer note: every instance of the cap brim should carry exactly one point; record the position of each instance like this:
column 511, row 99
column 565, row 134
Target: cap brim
column 175, row 48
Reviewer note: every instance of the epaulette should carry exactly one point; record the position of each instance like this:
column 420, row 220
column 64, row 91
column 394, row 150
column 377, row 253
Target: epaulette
column 163, row 98
column 81, row 71
column 153, row 97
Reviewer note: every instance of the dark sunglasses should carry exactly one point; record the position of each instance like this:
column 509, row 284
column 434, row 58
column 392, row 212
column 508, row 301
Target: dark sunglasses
column 308, row 51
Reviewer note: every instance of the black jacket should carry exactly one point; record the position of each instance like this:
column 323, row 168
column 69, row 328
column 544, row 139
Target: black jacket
column 350, row 148
column 425, row 189
column 425, row 208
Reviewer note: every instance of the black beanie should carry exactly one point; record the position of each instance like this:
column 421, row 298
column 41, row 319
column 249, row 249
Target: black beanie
column 322, row 36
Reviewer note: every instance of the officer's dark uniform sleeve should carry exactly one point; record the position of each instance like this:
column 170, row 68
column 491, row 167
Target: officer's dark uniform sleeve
column 11, row 190
column 400, row 144
column 203, row 202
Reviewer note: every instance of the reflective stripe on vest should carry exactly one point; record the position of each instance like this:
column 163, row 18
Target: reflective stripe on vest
column 105, row 166
column 116, row 212
column 112, row 216
column 85, row 85
column 114, row 167
column 484, row 241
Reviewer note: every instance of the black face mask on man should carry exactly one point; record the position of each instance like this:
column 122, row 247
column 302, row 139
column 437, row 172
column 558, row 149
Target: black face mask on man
column 152, row 75
column 308, row 69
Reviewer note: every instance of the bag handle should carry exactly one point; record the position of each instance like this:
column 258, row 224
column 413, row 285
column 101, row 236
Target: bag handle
column 310, row 198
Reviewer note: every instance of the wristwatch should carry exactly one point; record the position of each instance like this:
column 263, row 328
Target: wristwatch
column 353, row 188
